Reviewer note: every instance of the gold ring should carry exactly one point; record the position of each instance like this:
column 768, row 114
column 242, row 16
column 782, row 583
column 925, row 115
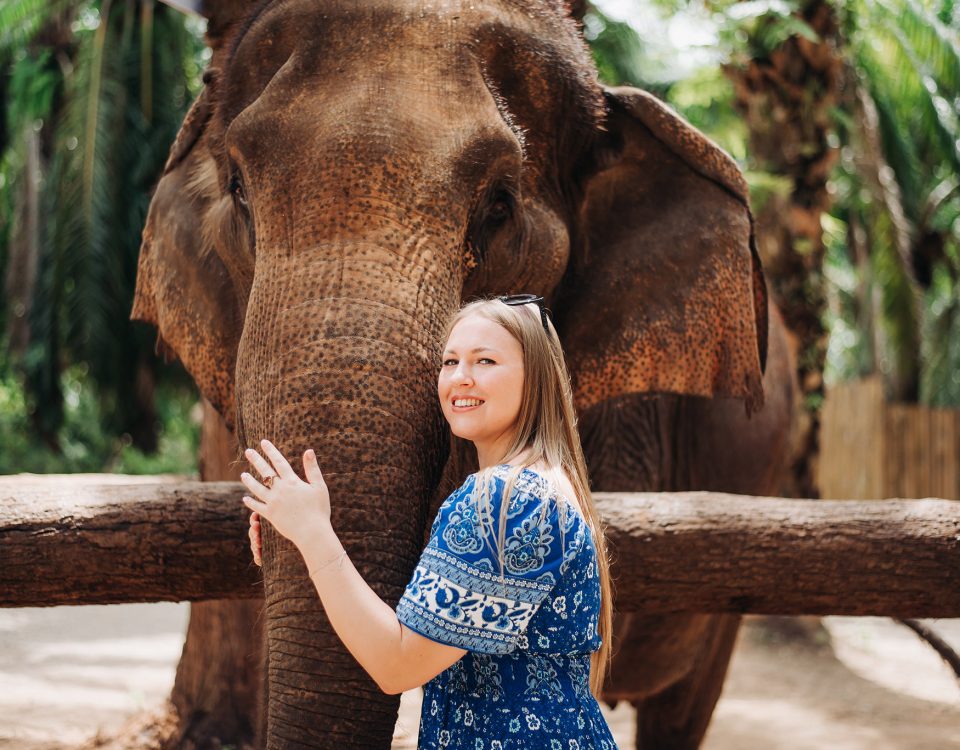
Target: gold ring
column 269, row 481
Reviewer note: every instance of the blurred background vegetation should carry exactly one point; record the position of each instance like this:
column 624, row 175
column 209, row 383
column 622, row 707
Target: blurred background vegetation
column 845, row 117
column 93, row 95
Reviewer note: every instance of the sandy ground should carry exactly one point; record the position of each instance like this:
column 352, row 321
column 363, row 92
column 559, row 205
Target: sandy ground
column 69, row 672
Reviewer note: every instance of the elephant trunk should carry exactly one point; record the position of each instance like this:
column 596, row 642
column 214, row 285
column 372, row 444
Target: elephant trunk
column 339, row 354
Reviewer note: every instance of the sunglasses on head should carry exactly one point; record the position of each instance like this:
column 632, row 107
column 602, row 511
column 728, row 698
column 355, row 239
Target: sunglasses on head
column 515, row 300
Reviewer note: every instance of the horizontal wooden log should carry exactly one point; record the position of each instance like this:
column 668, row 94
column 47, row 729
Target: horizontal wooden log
column 96, row 539
column 78, row 540
column 714, row 552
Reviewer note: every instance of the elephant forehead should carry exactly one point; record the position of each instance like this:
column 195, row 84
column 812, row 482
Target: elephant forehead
column 377, row 23
column 529, row 49
column 345, row 35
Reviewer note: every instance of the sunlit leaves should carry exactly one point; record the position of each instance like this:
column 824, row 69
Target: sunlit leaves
column 617, row 49
column 753, row 29
column 705, row 98
column 20, row 20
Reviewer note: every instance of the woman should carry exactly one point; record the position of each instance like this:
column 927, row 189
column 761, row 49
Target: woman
column 507, row 618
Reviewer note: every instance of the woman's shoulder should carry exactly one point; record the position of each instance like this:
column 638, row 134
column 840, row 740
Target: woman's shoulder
column 531, row 488
column 541, row 481
column 534, row 529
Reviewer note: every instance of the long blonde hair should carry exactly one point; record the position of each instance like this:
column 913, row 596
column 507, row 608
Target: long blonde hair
column 547, row 428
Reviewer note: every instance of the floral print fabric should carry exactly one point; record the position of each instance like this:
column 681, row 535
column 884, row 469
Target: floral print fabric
column 529, row 632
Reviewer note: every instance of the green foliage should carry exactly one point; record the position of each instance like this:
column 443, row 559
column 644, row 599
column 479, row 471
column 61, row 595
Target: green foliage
column 20, row 20
column 907, row 66
column 752, row 30
column 913, row 65
column 32, row 86
column 705, row 98
column 108, row 105
column 83, row 444
column 940, row 379
column 849, row 351
column 620, row 54
column 704, row 95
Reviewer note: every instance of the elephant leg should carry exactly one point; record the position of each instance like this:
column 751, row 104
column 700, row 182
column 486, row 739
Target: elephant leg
column 677, row 718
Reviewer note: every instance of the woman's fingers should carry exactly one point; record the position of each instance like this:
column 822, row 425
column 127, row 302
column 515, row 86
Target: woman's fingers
column 253, row 504
column 254, row 486
column 254, row 534
column 276, row 458
column 259, row 463
column 311, row 468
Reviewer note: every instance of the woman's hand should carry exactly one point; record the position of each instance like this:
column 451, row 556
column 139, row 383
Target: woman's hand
column 291, row 505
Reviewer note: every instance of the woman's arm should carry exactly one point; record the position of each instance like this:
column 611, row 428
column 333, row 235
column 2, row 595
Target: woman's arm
column 396, row 657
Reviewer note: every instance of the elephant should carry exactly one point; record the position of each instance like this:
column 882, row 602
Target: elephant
column 349, row 175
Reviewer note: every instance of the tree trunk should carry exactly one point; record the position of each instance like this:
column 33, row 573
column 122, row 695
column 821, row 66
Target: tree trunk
column 673, row 552
column 220, row 690
column 785, row 98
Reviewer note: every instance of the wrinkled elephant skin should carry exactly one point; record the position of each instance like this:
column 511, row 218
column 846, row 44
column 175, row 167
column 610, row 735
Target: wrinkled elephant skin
column 350, row 174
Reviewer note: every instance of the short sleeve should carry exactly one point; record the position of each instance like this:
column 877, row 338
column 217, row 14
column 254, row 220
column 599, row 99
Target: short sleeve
column 457, row 595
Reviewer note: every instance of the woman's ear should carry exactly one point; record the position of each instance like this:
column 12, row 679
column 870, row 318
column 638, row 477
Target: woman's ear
column 664, row 292
column 182, row 286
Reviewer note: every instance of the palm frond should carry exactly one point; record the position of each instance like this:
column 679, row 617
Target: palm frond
column 919, row 69
column 620, row 54
column 120, row 114
column 20, row 20
column 937, row 43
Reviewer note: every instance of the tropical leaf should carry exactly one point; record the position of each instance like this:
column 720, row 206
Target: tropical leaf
column 907, row 64
column 20, row 20
column 753, row 29
column 616, row 47
column 122, row 102
column 916, row 71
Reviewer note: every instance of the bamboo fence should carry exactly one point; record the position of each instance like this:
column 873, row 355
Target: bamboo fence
column 871, row 448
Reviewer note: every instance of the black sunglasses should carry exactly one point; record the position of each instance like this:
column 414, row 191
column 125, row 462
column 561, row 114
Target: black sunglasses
column 515, row 300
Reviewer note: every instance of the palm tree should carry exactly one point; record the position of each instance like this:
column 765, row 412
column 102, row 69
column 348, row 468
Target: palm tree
column 36, row 46
column 108, row 105
column 900, row 186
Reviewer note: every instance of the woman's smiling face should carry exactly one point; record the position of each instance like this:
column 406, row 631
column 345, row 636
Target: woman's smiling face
column 481, row 382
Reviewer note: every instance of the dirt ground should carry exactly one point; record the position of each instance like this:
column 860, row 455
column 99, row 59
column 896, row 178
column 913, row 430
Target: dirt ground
column 69, row 673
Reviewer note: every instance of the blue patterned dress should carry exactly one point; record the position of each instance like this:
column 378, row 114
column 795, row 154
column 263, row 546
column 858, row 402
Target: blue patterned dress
column 524, row 682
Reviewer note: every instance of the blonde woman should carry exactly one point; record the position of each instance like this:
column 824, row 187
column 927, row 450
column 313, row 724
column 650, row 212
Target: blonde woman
column 506, row 620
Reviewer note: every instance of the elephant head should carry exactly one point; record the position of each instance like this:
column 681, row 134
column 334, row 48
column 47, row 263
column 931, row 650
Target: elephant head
column 351, row 173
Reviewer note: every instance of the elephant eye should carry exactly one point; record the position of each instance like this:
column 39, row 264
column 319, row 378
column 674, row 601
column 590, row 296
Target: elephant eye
column 236, row 189
column 495, row 210
column 501, row 207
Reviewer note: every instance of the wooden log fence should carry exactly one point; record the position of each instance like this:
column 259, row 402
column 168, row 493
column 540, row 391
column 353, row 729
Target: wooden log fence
column 82, row 540
column 102, row 541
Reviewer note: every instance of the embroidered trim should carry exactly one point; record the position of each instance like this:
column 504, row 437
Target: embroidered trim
column 457, row 571
column 462, row 636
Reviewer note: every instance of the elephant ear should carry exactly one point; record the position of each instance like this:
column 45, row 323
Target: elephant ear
column 182, row 286
column 665, row 292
